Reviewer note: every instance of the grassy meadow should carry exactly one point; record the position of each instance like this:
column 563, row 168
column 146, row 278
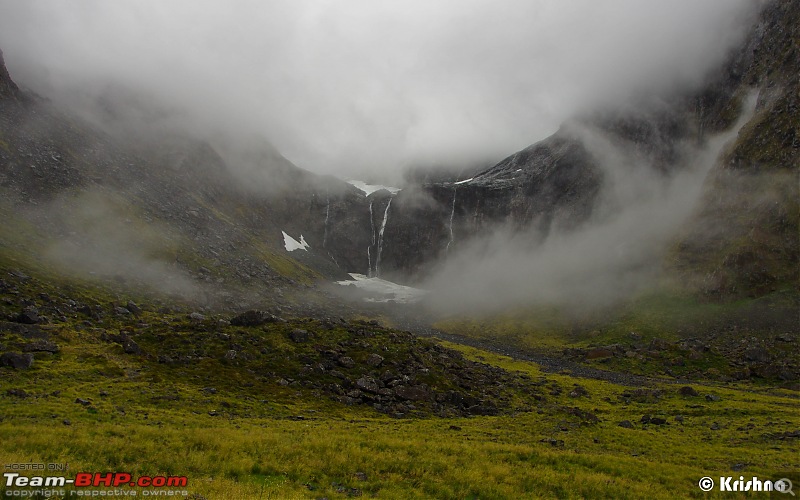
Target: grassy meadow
column 293, row 445
column 261, row 425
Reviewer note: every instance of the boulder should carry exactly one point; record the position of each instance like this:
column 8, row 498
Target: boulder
column 578, row 391
column 130, row 347
column 346, row 362
column 599, row 353
column 412, row 393
column 41, row 346
column 375, row 360
column 368, row 384
column 253, row 318
column 757, row 355
column 659, row 345
column 28, row 316
column 16, row 360
column 133, row 308
column 298, row 335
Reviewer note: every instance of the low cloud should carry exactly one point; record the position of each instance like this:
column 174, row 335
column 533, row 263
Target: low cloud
column 364, row 89
column 100, row 236
column 609, row 258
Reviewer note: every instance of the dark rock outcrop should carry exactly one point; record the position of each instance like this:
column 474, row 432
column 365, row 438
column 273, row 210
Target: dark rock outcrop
column 253, row 318
column 7, row 86
column 743, row 240
column 553, row 182
column 28, row 316
column 16, row 360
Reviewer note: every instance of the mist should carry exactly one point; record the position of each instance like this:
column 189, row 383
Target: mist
column 103, row 238
column 363, row 89
column 618, row 252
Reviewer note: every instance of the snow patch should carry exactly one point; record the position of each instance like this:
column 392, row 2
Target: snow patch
column 383, row 290
column 368, row 189
column 292, row 244
column 463, row 182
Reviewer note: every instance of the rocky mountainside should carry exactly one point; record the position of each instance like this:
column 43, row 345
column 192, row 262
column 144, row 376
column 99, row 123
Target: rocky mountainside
column 7, row 86
column 557, row 183
column 168, row 212
column 170, row 208
column 744, row 239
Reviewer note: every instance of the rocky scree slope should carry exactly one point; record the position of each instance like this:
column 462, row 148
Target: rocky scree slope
column 233, row 358
column 169, row 212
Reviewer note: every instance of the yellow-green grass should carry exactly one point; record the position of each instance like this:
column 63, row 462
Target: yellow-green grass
column 245, row 439
column 663, row 314
column 252, row 450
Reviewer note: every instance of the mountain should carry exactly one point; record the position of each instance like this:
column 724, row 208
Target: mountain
column 104, row 200
column 742, row 240
column 165, row 211
column 7, row 86
column 170, row 295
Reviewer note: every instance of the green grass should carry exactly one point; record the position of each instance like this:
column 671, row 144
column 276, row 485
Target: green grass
column 244, row 440
column 664, row 315
column 253, row 436
column 135, row 429
column 530, row 328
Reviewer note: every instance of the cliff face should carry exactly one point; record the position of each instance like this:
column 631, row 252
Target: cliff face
column 743, row 237
column 742, row 240
column 84, row 187
column 553, row 182
column 7, row 86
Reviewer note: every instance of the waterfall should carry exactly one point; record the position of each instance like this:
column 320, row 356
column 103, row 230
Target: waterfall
column 327, row 216
column 380, row 237
column 452, row 214
column 369, row 248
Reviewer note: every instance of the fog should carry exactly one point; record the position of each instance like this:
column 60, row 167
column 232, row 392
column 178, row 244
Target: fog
column 615, row 254
column 105, row 239
column 364, row 89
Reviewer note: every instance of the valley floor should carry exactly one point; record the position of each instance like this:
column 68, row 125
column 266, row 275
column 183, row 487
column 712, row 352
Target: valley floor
column 257, row 406
column 311, row 448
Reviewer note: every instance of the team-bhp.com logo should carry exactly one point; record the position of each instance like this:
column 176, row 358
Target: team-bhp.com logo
column 86, row 479
column 728, row 483
column 93, row 484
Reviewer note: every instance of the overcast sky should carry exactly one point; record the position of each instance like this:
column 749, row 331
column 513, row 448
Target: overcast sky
column 358, row 86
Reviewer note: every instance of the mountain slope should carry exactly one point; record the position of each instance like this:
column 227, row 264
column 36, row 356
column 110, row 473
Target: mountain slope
column 744, row 239
column 741, row 242
column 167, row 212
